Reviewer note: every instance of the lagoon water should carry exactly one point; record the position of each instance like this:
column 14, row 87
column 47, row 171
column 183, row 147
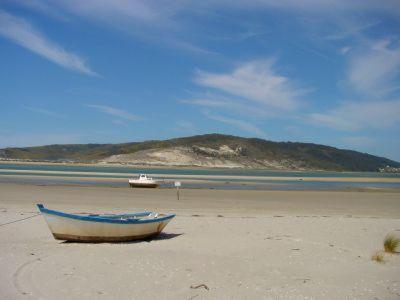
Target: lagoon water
column 55, row 174
column 189, row 171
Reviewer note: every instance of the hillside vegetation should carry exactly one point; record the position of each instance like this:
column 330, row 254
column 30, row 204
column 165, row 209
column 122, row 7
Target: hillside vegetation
column 210, row 150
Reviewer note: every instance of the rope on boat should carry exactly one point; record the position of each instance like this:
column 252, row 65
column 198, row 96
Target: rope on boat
column 19, row 220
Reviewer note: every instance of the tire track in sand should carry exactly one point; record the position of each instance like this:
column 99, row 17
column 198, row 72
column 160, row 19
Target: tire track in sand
column 23, row 279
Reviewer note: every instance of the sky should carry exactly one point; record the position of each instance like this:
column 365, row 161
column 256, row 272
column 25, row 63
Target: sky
column 99, row 71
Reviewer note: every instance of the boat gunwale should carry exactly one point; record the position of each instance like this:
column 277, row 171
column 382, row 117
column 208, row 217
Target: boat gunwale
column 100, row 219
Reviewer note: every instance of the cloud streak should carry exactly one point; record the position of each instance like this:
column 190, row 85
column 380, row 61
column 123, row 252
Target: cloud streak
column 255, row 81
column 358, row 141
column 251, row 89
column 24, row 34
column 44, row 111
column 321, row 7
column 353, row 116
column 171, row 23
column 119, row 113
column 374, row 68
column 38, row 139
column 243, row 125
column 152, row 20
column 352, row 31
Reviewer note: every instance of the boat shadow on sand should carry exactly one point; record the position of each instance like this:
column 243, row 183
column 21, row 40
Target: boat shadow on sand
column 160, row 237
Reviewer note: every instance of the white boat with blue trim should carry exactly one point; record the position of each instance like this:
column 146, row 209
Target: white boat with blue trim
column 104, row 227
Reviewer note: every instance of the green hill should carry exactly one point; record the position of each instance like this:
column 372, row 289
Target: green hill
column 209, row 150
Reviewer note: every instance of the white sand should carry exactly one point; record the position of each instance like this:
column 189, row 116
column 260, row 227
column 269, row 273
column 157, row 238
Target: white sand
column 271, row 245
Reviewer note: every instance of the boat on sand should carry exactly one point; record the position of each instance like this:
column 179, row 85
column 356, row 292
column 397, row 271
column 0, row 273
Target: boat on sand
column 143, row 182
column 104, row 227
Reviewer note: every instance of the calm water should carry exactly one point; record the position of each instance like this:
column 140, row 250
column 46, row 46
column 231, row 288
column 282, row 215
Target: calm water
column 181, row 171
column 265, row 185
column 214, row 183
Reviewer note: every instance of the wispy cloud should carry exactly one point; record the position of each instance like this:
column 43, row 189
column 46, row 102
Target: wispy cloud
column 255, row 81
column 241, row 124
column 325, row 7
column 358, row 141
column 152, row 21
column 375, row 67
column 149, row 10
column 312, row 51
column 344, row 50
column 117, row 10
column 352, row 30
column 38, row 139
column 119, row 122
column 185, row 127
column 208, row 101
column 40, row 6
column 233, row 104
column 354, row 116
column 24, row 34
column 44, row 111
column 251, row 89
column 114, row 112
column 170, row 23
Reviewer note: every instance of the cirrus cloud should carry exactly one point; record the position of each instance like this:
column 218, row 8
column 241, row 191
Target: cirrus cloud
column 255, row 81
column 24, row 34
column 375, row 67
column 354, row 116
column 241, row 124
column 116, row 112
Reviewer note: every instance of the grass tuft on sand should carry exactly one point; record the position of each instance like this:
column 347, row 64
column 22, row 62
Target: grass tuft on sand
column 391, row 243
column 378, row 256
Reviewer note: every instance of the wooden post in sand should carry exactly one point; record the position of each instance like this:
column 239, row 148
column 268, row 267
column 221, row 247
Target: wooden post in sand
column 177, row 184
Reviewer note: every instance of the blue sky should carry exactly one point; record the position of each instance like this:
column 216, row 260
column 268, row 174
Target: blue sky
column 103, row 71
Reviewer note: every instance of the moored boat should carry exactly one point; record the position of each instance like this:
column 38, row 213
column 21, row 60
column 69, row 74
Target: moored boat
column 143, row 182
column 104, row 227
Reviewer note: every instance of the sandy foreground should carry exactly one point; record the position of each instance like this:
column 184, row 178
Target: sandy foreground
column 240, row 244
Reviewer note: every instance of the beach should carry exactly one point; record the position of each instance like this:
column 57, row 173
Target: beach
column 189, row 150
column 243, row 244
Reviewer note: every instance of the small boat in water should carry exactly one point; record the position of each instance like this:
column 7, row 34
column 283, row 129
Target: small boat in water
column 104, row 227
column 143, row 182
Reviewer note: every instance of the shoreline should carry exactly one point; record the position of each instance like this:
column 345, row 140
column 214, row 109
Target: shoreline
column 174, row 167
column 209, row 177
column 118, row 183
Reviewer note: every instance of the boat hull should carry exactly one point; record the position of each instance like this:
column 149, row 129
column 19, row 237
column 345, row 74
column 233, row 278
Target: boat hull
column 143, row 185
column 82, row 230
column 102, row 239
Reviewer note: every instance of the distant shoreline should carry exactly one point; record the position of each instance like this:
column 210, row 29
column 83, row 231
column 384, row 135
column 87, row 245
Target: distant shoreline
column 171, row 167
